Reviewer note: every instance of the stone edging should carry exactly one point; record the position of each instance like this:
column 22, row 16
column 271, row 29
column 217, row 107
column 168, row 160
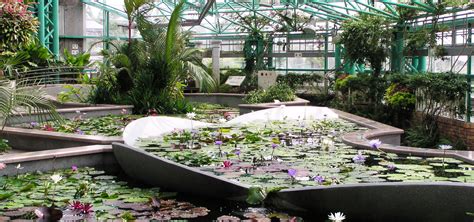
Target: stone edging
column 51, row 154
column 359, row 139
column 259, row 106
column 37, row 140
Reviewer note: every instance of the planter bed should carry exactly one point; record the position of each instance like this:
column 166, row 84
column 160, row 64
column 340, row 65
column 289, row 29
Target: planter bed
column 236, row 100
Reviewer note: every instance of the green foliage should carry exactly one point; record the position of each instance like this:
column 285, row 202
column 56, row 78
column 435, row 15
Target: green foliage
column 295, row 80
column 399, row 98
column 31, row 55
column 16, row 97
column 80, row 60
column 192, row 159
column 367, row 39
column 280, row 92
column 258, row 195
column 4, row 145
column 17, row 26
column 149, row 73
column 72, row 94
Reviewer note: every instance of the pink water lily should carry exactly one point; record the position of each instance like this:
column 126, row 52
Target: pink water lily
column 76, row 205
column 87, row 208
column 227, row 163
column 2, row 166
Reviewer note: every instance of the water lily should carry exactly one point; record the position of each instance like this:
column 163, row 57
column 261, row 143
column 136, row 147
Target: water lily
column 218, row 143
column 34, row 124
column 191, row 115
column 80, row 132
column 76, row 205
column 19, row 167
column 237, row 152
column 276, row 101
column 48, row 127
column 292, row 172
column 445, row 147
column 337, row 217
column 227, row 163
column 74, row 168
column 391, row 167
column 359, row 158
column 56, row 178
column 319, row 179
column 87, row 208
column 222, row 120
column 274, row 145
column 375, row 143
column 124, row 111
column 2, row 166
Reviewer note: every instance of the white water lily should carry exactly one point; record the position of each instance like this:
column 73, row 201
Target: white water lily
column 337, row 217
column 56, row 178
column 191, row 115
column 222, row 120
column 445, row 147
column 19, row 167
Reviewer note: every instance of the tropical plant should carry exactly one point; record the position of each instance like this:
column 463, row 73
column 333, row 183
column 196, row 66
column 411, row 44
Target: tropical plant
column 17, row 26
column 281, row 92
column 132, row 8
column 150, row 72
column 16, row 97
column 367, row 39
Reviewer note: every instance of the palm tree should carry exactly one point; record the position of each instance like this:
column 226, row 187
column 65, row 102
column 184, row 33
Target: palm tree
column 17, row 97
column 150, row 72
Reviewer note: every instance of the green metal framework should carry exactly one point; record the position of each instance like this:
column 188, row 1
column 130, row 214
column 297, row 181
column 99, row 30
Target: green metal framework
column 219, row 19
column 47, row 12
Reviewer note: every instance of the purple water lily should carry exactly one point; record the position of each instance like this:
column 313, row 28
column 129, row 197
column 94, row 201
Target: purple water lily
column 74, row 168
column 391, row 167
column 320, row 179
column 237, row 152
column 375, row 143
column 80, row 132
column 218, row 144
column 34, row 124
column 292, row 172
column 359, row 158
column 273, row 148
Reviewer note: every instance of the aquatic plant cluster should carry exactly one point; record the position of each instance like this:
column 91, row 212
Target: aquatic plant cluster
column 113, row 125
column 86, row 193
column 297, row 154
column 79, row 194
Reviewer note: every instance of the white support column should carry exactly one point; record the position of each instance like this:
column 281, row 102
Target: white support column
column 216, row 55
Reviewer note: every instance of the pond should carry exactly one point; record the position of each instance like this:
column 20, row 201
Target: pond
column 113, row 125
column 297, row 153
column 88, row 193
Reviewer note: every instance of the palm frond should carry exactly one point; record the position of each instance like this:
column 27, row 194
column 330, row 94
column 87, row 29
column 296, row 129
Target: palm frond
column 19, row 98
column 173, row 27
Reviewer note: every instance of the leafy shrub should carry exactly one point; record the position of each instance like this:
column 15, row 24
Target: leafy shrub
column 280, row 92
column 399, row 97
column 4, row 145
column 295, row 80
column 17, row 26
